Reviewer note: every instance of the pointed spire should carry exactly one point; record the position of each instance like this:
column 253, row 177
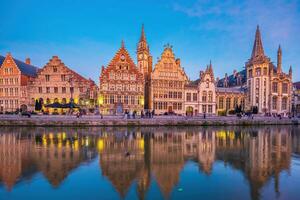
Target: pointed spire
column 290, row 70
column 279, row 60
column 122, row 44
column 142, row 44
column 143, row 37
column 258, row 50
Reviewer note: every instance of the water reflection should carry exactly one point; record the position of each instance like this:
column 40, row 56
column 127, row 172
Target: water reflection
column 140, row 156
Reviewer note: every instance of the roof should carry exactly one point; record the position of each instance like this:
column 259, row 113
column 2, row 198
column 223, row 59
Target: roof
column 25, row 69
column 237, row 89
column 232, row 79
column 297, row 85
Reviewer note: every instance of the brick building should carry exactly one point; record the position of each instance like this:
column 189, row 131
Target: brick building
column 55, row 82
column 15, row 76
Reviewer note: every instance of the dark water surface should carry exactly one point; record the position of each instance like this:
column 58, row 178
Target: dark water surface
column 150, row 163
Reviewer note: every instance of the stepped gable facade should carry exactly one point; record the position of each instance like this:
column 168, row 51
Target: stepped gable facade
column 167, row 84
column 56, row 82
column 121, row 85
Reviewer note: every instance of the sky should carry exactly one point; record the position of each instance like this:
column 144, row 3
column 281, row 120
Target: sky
column 87, row 34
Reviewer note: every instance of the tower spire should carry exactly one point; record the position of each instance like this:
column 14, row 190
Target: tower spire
column 258, row 50
column 142, row 45
column 279, row 60
column 122, row 44
column 143, row 37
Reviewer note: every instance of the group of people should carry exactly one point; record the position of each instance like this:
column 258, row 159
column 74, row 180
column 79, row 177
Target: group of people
column 147, row 114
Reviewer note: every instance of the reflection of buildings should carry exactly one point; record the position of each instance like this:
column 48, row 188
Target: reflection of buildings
column 15, row 158
column 54, row 154
column 134, row 157
column 260, row 154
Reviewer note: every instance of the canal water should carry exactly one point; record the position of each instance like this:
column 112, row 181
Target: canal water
column 150, row 163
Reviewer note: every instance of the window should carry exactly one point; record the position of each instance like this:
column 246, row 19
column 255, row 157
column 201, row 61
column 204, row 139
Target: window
column 71, row 89
column 284, row 103
column 40, row 90
column 274, row 103
column 250, row 73
column 228, row 102
column 235, row 102
column 188, row 96
column 274, row 87
column 179, row 95
column 221, row 102
column 132, row 100
column 284, row 88
column 63, row 89
column 111, row 99
column 47, row 77
column 204, row 108
column 265, row 71
column 55, row 89
column 195, row 97
column 63, row 77
column 204, row 94
column 126, row 99
column 54, row 69
column 210, row 96
column 207, row 83
column 47, row 89
column 209, row 108
column 257, row 71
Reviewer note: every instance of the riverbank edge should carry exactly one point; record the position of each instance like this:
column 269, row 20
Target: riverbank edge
column 143, row 122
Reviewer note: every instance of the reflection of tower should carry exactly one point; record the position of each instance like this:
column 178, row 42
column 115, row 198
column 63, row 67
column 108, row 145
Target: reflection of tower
column 269, row 154
column 167, row 160
column 206, row 150
column 144, row 60
column 122, row 161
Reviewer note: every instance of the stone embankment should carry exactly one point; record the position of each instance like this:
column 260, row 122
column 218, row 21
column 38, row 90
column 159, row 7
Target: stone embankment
column 85, row 121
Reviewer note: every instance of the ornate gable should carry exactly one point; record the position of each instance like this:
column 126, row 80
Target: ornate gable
column 55, row 65
column 121, row 63
column 168, row 66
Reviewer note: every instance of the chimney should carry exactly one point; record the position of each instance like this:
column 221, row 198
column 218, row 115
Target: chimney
column 27, row 61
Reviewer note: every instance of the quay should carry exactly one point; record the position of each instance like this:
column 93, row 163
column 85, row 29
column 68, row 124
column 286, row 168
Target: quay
column 110, row 121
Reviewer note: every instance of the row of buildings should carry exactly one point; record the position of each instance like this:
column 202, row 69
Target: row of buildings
column 166, row 88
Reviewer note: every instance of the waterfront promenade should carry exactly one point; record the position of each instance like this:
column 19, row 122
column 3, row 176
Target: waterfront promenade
column 92, row 120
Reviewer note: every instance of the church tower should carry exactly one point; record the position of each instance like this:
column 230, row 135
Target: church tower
column 144, row 62
column 258, row 77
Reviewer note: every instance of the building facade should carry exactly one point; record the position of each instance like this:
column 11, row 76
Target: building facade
column 56, row 83
column 15, row 76
column 168, row 79
column 269, row 89
column 296, row 99
column 200, row 95
column 121, row 85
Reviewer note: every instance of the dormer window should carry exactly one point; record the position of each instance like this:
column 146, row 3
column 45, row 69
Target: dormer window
column 54, row 69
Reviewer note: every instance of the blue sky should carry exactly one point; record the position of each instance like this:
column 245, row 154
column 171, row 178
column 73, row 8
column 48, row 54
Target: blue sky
column 86, row 34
